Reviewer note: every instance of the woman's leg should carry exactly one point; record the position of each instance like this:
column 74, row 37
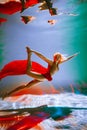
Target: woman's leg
column 29, row 64
column 31, row 83
column 37, row 76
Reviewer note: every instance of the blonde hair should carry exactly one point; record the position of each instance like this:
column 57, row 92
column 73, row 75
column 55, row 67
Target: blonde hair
column 59, row 56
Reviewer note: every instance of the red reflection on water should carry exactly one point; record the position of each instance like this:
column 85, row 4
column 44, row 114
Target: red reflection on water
column 10, row 118
column 2, row 20
column 29, row 121
column 12, row 7
column 30, row 117
column 63, row 117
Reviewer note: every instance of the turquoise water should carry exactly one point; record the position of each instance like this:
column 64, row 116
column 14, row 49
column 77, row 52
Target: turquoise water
column 67, row 36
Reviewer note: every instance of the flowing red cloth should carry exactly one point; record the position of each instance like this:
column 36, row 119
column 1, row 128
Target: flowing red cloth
column 19, row 67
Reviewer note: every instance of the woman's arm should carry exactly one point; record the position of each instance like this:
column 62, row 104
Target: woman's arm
column 42, row 57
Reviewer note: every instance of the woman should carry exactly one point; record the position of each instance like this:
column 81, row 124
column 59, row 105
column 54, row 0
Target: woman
column 34, row 69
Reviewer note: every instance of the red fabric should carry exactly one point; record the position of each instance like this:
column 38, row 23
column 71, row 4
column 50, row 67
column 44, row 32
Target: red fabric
column 18, row 67
column 47, row 76
column 12, row 7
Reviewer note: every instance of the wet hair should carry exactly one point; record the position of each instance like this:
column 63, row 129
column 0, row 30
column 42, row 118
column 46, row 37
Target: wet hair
column 59, row 56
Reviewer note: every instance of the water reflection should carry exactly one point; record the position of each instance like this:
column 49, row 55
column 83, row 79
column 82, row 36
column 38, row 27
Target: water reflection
column 36, row 116
column 28, row 111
